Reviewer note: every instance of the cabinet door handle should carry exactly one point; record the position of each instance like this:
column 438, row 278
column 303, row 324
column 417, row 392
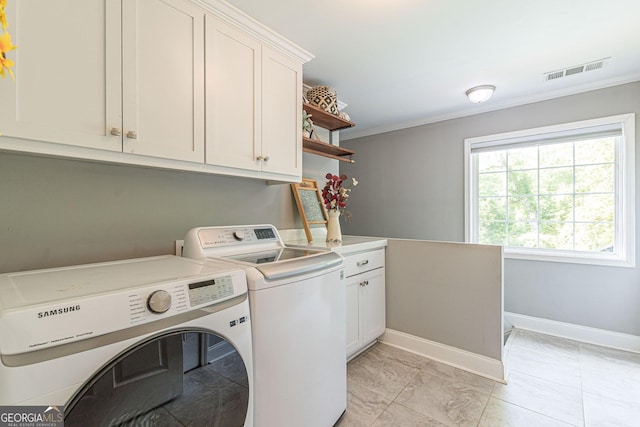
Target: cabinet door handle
column 259, row 158
column 266, row 158
column 361, row 263
column 116, row 132
column 132, row 134
column 365, row 283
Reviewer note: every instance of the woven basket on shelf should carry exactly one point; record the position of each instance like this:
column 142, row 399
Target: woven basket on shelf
column 324, row 97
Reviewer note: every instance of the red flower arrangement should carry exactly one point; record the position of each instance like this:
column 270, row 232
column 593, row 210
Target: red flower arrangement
column 334, row 194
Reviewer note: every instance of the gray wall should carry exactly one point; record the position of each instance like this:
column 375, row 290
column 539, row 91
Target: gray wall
column 459, row 307
column 56, row 212
column 411, row 186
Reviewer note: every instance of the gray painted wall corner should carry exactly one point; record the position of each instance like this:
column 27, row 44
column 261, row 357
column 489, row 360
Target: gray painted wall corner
column 412, row 186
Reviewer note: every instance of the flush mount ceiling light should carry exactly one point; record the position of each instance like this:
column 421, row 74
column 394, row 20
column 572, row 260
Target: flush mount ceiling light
column 480, row 94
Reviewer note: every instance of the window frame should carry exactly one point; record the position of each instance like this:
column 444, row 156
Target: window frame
column 624, row 221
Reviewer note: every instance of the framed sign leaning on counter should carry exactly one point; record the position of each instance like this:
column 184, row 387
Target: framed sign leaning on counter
column 310, row 206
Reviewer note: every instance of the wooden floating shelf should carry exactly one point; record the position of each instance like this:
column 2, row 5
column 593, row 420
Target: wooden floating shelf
column 326, row 120
column 320, row 148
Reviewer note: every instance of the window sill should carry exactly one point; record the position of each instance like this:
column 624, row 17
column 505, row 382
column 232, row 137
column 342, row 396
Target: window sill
column 576, row 258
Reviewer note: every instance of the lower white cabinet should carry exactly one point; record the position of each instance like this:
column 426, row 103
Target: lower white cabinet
column 366, row 319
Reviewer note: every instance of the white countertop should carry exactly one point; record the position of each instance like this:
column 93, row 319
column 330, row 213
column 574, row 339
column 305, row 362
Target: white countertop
column 349, row 244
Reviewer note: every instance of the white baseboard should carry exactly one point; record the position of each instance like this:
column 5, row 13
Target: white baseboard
column 585, row 334
column 465, row 360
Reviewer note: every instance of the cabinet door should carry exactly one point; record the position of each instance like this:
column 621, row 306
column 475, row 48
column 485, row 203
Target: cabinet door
column 372, row 305
column 354, row 340
column 233, row 91
column 60, row 93
column 163, row 79
column 281, row 113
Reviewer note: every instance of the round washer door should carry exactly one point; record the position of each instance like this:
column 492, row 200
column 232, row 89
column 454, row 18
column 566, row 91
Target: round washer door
column 177, row 378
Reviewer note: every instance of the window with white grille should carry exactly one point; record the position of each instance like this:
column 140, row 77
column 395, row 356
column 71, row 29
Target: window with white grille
column 558, row 193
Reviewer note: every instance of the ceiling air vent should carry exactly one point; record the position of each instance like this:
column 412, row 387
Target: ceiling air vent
column 594, row 66
column 576, row 69
column 554, row 75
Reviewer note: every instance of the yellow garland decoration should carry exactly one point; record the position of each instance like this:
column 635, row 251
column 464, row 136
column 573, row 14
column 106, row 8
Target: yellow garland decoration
column 5, row 43
column 3, row 16
column 6, row 46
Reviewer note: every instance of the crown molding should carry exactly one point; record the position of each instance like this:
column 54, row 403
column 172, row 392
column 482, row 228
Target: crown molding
column 492, row 106
column 238, row 18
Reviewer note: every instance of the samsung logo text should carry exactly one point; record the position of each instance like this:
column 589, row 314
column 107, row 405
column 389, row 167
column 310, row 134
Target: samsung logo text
column 61, row 310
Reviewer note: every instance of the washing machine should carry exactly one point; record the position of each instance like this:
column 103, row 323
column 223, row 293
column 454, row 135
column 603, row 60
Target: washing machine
column 298, row 312
column 150, row 341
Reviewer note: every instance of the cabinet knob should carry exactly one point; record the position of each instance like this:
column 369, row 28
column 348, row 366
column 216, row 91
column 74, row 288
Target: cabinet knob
column 116, row 132
column 361, row 263
column 266, row 158
column 132, row 134
column 365, row 283
column 259, row 158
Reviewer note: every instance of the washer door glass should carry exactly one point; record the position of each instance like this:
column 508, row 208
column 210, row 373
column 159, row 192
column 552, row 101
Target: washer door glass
column 181, row 378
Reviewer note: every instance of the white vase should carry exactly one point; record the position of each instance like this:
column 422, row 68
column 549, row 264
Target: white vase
column 334, row 234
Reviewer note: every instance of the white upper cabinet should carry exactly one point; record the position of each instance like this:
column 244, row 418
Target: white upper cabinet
column 127, row 81
column 113, row 75
column 233, row 95
column 163, row 79
column 253, row 104
column 281, row 113
column 59, row 93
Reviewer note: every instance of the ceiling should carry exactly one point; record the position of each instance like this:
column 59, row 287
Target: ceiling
column 402, row 63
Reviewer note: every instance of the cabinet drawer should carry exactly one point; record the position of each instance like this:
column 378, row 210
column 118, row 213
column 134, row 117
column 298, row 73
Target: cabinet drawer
column 363, row 261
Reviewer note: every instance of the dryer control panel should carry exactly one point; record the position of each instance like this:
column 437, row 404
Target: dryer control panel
column 200, row 242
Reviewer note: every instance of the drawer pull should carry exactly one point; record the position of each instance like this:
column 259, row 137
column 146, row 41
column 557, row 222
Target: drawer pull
column 361, row 263
column 365, row 283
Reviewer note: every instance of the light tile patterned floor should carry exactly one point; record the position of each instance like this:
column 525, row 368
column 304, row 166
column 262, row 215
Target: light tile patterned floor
column 551, row 382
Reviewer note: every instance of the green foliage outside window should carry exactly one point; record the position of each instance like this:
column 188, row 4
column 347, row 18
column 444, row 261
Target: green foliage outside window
column 553, row 196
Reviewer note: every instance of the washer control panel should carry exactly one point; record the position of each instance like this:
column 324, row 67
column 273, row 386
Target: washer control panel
column 150, row 304
column 210, row 290
column 88, row 316
column 147, row 304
